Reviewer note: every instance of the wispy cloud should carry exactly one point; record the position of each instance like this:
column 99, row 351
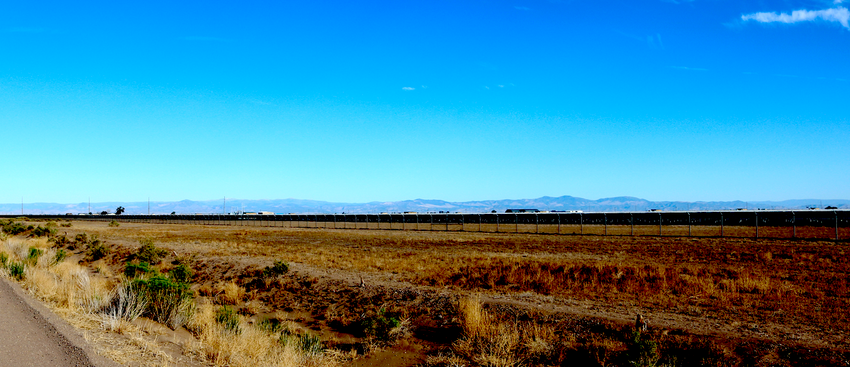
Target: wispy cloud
column 407, row 88
column 839, row 14
column 688, row 68
column 521, row 8
column 653, row 41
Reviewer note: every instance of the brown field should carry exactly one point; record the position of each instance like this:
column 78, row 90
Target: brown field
column 667, row 230
column 553, row 299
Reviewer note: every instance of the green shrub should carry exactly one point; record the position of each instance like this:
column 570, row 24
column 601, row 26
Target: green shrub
column 169, row 302
column 181, row 273
column 81, row 239
column 311, row 344
column 279, row 268
column 379, row 326
column 66, row 225
column 133, row 270
column 14, row 228
column 17, row 270
column 96, row 250
column 114, row 223
column 34, row 254
column 149, row 253
column 43, row 231
column 271, row 325
column 60, row 255
column 307, row 343
column 59, row 241
column 228, row 318
column 642, row 351
column 4, row 259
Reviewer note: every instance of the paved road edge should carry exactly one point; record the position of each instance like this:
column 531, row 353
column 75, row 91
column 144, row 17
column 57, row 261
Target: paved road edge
column 64, row 330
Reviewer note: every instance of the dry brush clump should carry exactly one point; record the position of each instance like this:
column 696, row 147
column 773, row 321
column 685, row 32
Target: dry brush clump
column 46, row 273
column 546, row 277
column 491, row 339
column 650, row 284
column 226, row 339
column 486, row 341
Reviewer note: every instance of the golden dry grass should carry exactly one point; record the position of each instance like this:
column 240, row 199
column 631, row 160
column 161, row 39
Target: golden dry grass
column 719, row 277
column 733, row 280
column 82, row 297
column 485, row 341
column 250, row 346
column 490, row 341
column 231, row 293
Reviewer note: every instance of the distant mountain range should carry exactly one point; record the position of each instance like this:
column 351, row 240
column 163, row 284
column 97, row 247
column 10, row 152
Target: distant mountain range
column 283, row 206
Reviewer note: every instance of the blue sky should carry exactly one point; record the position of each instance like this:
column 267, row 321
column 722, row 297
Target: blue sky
column 454, row 100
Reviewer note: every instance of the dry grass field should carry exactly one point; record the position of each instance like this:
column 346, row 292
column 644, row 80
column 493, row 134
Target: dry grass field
column 503, row 299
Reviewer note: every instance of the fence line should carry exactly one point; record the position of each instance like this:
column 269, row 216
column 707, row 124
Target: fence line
column 817, row 224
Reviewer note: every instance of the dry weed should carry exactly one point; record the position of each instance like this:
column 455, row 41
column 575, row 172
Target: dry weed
column 445, row 360
column 538, row 341
column 249, row 347
column 231, row 293
column 485, row 341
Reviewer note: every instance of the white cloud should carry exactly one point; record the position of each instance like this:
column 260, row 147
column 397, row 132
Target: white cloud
column 838, row 1
column 407, row 88
column 840, row 15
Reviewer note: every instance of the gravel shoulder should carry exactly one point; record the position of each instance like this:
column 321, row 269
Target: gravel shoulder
column 32, row 335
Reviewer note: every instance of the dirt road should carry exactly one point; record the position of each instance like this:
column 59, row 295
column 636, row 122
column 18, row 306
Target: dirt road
column 31, row 335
